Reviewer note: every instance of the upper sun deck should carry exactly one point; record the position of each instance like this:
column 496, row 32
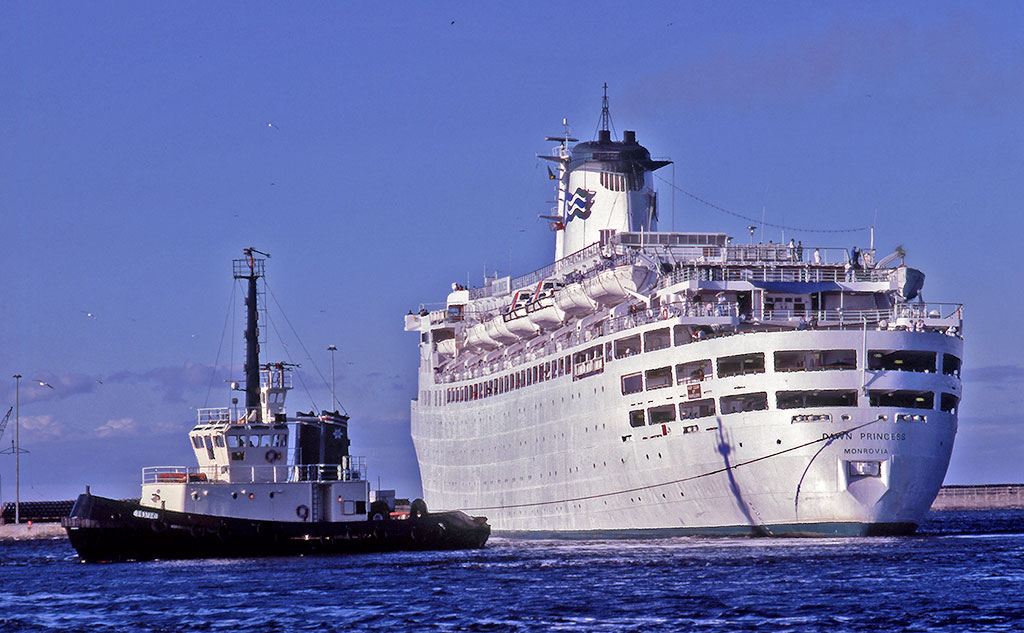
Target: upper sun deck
column 692, row 251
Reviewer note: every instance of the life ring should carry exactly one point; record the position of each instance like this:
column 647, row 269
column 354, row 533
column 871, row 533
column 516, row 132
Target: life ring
column 272, row 456
column 664, row 313
column 302, row 512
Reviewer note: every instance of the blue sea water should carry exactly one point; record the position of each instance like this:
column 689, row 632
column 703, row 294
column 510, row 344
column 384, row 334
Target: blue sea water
column 962, row 572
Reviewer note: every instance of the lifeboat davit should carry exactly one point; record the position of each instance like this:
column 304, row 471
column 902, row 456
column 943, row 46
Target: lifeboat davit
column 613, row 286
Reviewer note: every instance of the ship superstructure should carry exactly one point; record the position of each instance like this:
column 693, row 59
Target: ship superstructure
column 684, row 382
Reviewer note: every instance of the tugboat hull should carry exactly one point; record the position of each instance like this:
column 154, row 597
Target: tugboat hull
column 102, row 529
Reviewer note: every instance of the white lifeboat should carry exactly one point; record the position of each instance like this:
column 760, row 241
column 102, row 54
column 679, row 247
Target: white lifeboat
column 516, row 319
column 496, row 331
column 613, row 286
column 446, row 347
column 477, row 338
column 544, row 312
column 573, row 300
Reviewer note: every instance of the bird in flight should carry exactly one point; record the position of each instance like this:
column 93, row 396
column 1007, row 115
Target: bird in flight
column 43, row 383
column 88, row 314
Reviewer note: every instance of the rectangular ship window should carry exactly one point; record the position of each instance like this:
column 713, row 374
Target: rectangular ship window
column 902, row 398
column 658, row 378
column 950, row 365
column 681, row 334
column 695, row 371
column 815, row 359
column 948, row 402
column 741, row 364
column 629, row 346
column 697, row 409
column 744, row 402
column 657, row 339
column 901, row 360
column 816, row 398
column 661, row 414
column 636, row 418
column 633, row 383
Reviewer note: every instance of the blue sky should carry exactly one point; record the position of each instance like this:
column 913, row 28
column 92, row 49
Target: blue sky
column 138, row 161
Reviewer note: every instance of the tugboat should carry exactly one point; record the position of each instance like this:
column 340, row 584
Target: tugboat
column 266, row 484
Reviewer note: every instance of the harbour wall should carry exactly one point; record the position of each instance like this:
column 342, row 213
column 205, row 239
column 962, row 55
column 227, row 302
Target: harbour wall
column 955, row 497
column 981, row 497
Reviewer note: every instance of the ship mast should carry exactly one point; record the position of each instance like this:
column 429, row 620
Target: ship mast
column 251, row 269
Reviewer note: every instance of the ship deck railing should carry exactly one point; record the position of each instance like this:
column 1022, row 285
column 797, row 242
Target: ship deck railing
column 790, row 274
column 725, row 319
column 623, row 248
column 355, row 470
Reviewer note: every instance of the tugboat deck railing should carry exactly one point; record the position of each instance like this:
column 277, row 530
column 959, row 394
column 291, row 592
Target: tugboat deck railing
column 355, row 470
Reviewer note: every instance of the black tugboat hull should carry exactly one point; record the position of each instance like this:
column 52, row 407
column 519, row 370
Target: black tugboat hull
column 102, row 529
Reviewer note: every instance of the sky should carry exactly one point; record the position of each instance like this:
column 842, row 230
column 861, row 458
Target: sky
column 381, row 151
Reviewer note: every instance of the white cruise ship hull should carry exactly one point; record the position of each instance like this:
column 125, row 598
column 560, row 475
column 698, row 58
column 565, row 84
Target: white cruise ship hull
column 561, row 456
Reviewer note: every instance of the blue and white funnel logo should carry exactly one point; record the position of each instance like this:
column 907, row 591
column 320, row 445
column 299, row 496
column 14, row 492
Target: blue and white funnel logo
column 579, row 205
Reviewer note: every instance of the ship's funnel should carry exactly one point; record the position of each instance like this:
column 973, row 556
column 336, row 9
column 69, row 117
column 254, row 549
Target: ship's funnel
column 609, row 185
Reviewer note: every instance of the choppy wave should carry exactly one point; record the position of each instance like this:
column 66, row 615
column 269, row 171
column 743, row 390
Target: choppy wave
column 962, row 573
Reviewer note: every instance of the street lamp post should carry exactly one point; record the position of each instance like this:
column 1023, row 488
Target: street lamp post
column 17, row 448
column 334, row 399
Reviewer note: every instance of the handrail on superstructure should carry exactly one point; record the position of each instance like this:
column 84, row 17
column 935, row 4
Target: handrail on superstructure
column 353, row 470
column 693, row 252
column 729, row 321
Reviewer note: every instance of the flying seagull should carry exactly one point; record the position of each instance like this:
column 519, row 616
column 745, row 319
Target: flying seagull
column 43, row 383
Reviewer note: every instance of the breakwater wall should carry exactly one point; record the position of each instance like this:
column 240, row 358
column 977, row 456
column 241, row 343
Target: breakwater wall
column 980, row 497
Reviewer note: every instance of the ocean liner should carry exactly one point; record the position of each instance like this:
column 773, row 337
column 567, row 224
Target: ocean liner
column 672, row 382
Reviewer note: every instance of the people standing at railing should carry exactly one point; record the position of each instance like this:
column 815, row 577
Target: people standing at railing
column 817, row 256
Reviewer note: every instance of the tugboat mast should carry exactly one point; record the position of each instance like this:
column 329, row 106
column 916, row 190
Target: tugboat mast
column 251, row 268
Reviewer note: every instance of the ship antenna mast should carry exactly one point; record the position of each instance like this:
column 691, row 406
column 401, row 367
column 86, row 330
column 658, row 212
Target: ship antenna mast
column 251, row 269
column 606, row 124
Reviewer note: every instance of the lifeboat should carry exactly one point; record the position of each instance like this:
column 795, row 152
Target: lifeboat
column 518, row 322
column 496, row 331
column 477, row 338
column 446, row 347
column 613, row 286
column 573, row 300
column 543, row 312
